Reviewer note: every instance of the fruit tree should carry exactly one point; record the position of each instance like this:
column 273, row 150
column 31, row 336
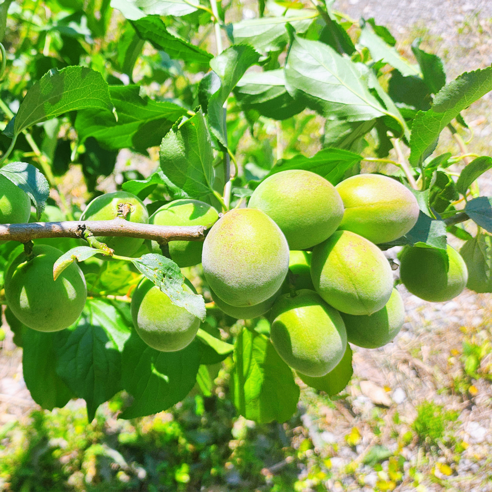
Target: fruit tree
column 185, row 194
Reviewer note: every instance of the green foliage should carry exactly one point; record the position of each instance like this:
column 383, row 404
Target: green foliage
column 263, row 387
column 170, row 100
column 433, row 422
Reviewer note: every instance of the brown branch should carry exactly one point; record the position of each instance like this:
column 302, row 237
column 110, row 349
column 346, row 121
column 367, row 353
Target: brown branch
column 115, row 227
column 456, row 219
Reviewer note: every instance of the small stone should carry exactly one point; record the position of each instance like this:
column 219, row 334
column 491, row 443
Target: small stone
column 377, row 394
column 337, row 462
column 476, row 432
column 328, row 437
column 399, row 396
column 371, row 479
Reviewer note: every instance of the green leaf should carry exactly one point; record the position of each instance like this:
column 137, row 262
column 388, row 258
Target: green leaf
column 58, row 92
column 336, row 380
column 347, row 135
column 16, row 327
column 383, row 32
column 204, row 381
column 330, row 84
column 97, row 161
column 477, row 253
column 334, row 35
column 380, row 50
column 411, row 91
column 116, row 278
column 428, row 231
column 265, row 92
column 269, row 33
column 80, row 253
column 166, row 275
column 431, row 66
column 29, row 179
column 39, row 361
column 130, row 47
column 186, row 157
column 214, row 350
column 143, row 188
column 393, row 113
column 443, row 192
column 136, row 9
column 230, row 66
column 480, row 211
column 141, row 121
column 157, row 380
column 153, row 29
column 451, row 99
column 472, row 172
column 89, row 357
column 377, row 454
column 460, row 232
column 329, row 163
column 263, row 386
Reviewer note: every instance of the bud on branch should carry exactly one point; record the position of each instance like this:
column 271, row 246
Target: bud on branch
column 115, row 227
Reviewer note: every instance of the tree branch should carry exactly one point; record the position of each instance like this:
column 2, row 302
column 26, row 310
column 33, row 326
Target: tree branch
column 456, row 219
column 115, row 227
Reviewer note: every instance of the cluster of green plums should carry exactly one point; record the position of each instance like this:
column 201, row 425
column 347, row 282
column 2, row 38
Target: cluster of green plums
column 303, row 253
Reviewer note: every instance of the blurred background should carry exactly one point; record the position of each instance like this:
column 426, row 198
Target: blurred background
column 417, row 414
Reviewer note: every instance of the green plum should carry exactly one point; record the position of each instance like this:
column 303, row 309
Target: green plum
column 245, row 257
column 351, row 274
column 306, row 207
column 379, row 328
column 184, row 213
column 336, row 380
column 299, row 272
column 433, row 274
column 15, row 205
column 308, row 334
column 37, row 300
column 377, row 207
column 161, row 324
column 247, row 312
column 106, row 207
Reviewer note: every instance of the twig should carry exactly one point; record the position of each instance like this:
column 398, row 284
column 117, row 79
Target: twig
column 115, row 227
column 460, row 142
column 218, row 35
column 405, row 166
column 456, row 219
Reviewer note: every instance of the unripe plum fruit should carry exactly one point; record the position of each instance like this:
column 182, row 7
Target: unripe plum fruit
column 351, row 274
column 184, row 213
column 305, row 206
column 161, row 324
column 245, row 257
column 377, row 207
column 15, row 205
column 336, row 380
column 105, row 207
column 379, row 328
column 247, row 312
column 300, row 268
column 477, row 253
column 433, row 274
column 308, row 334
column 37, row 300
